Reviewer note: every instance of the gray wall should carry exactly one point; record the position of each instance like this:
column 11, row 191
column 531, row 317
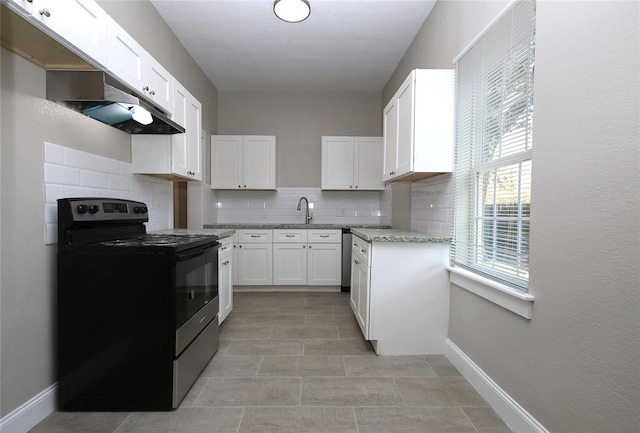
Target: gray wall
column 27, row 299
column 299, row 120
column 575, row 365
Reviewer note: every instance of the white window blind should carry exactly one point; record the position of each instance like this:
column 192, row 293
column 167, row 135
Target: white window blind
column 494, row 120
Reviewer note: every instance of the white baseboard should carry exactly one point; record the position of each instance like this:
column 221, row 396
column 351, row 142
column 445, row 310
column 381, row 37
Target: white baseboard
column 514, row 415
column 25, row 417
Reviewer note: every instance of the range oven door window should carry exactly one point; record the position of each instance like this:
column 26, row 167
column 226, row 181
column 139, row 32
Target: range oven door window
column 196, row 282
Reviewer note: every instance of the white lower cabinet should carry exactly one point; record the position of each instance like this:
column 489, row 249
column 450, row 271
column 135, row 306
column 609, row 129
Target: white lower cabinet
column 324, row 264
column 400, row 295
column 255, row 258
column 289, row 264
column 299, row 257
column 225, row 277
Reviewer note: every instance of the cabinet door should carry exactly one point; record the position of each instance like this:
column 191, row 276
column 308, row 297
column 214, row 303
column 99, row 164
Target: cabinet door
column 225, row 285
column 194, row 138
column 290, row 264
column 259, row 162
column 367, row 164
column 364, row 285
column 236, row 261
column 226, row 161
column 255, row 263
column 126, row 58
column 404, row 162
column 179, row 141
column 159, row 85
column 355, row 281
column 390, row 137
column 81, row 23
column 337, row 163
column 325, row 265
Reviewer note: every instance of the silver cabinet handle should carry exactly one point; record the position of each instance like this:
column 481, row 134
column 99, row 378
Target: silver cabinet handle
column 239, row 186
column 363, row 251
column 245, row 186
column 324, row 236
column 350, row 186
column 152, row 92
column 304, row 246
column 356, row 262
column 356, row 186
column 29, row 1
column 45, row 12
column 145, row 88
column 309, row 246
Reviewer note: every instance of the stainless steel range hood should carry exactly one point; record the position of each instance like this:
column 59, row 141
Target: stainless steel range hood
column 100, row 96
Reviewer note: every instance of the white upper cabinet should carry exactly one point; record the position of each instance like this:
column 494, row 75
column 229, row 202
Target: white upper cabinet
column 126, row 57
column 81, row 25
column 176, row 155
column 243, row 162
column 132, row 64
column 25, row 6
column 352, row 163
column 159, row 85
column 418, row 125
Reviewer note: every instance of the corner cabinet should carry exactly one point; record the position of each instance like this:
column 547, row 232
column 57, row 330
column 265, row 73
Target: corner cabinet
column 176, row 155
column 243, row 162
column 418, row 126
column 352, row 163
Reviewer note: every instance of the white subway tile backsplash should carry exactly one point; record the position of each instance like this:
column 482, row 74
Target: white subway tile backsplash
column 74, row 158
column 106, row 165
column 93, row 179
column 62, row 175
column 432, row 206
column 119, row 183
column 54, row 154
column 281, row 206
column 73, row 173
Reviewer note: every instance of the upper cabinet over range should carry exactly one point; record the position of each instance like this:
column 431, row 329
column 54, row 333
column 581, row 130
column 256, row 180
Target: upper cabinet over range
column 352, row 163
column 418, row 124
column 243, row 162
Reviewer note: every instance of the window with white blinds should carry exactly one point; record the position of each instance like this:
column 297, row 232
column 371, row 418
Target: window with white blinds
column 494, row 120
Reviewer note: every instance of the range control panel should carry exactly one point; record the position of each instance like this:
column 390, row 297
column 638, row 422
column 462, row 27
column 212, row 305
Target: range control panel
column 92, row 209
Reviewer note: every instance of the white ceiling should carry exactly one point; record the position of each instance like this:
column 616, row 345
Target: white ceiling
column 344, row 45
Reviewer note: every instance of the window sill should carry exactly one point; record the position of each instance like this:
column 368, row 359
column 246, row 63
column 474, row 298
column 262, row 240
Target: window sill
column 500, row 294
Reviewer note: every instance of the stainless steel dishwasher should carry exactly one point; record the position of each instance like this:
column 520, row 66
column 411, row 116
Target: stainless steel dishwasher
column 346, row 260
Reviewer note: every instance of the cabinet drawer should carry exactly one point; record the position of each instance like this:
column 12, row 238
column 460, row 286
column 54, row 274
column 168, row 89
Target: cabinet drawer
column 362, row 248
column 226, row 246
column 325, row 236
column 255, row 236
column 290, row 236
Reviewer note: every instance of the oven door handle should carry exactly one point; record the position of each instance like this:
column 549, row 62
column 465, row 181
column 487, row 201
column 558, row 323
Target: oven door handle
column 194, row 254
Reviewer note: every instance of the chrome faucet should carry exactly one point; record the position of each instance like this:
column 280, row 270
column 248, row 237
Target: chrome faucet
column 308, row 217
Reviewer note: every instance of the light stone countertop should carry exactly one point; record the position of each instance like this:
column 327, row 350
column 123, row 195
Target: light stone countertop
column 391, row 235
column 240, row 226
column 218, row 233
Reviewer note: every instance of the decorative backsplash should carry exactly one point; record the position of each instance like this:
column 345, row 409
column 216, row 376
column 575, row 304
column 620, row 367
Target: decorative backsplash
column 329, row 207
column 432, row 206
column 73, row 173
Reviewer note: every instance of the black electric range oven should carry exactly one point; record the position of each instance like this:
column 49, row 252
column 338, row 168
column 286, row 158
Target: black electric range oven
column 137, row 312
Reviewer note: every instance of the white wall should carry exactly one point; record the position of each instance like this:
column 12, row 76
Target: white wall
column 575, row 366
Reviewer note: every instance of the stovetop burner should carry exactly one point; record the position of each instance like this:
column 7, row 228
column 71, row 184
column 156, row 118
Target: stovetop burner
column 155, row 240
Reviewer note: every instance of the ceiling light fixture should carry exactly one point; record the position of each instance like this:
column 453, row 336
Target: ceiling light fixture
column 292, row 11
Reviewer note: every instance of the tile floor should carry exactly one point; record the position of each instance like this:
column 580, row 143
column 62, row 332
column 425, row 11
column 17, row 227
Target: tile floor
column 297, row 363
